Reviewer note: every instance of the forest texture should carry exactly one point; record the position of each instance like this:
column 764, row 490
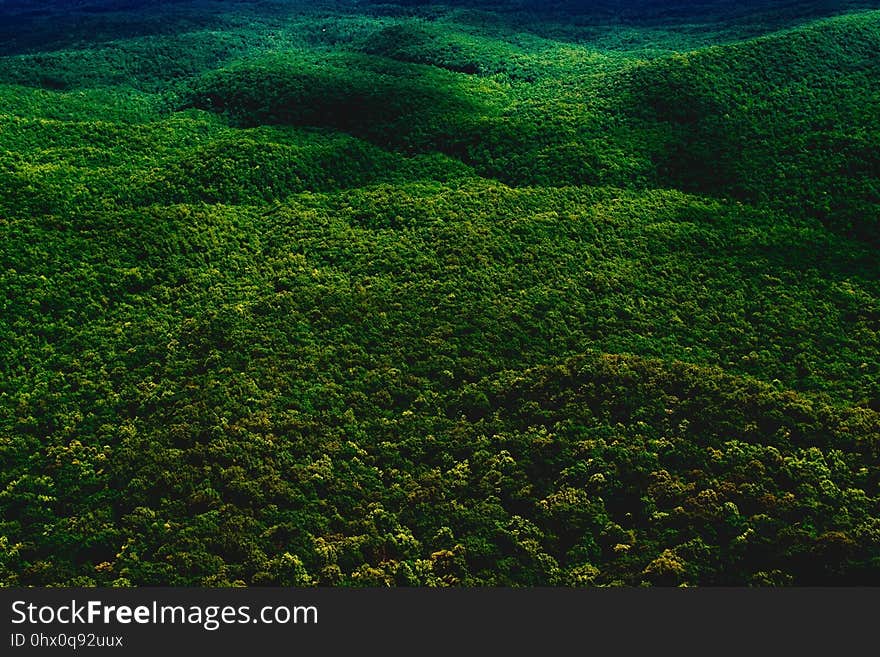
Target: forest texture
column 366, row 294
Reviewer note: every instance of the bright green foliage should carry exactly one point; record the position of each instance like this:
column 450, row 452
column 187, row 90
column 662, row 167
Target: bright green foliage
column 421, row 295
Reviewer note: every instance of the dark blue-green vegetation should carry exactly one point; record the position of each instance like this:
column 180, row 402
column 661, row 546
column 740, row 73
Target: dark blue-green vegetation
column 408, row 293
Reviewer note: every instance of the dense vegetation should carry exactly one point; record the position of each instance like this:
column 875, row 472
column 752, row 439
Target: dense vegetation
column 416, row 294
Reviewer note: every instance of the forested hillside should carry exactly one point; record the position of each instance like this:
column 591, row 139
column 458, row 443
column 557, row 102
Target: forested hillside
column 421, row 294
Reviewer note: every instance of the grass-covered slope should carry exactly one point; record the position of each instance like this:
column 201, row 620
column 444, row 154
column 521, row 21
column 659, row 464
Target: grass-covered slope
column 410, row 294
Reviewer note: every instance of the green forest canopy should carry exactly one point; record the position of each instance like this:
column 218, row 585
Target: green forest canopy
column 419, row 294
